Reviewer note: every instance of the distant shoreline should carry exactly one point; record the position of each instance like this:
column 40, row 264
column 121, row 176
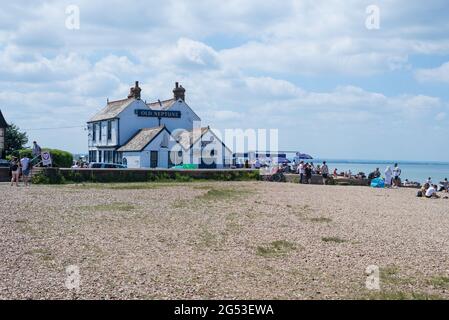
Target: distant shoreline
column 392, row 162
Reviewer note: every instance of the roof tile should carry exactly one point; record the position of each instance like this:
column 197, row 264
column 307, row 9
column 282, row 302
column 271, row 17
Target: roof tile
column 112, row 110
column 141, row 139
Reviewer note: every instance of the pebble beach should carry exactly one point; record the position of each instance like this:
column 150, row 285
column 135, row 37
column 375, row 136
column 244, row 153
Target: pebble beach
column 221, row 240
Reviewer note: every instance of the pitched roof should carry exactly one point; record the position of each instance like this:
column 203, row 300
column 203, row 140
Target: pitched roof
column 3, row 123
column 141, row 139
column 188, row 138
column 112, row 110
column 164, row 105
column 167, row 104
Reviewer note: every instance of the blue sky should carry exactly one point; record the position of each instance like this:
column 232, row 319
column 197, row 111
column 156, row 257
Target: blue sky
column 309, row 68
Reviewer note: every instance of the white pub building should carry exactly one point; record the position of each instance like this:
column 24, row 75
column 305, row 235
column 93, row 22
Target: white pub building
column 160, row 134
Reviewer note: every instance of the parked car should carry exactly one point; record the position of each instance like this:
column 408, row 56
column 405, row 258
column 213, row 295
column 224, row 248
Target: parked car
column 98, row 165
column 4, row 163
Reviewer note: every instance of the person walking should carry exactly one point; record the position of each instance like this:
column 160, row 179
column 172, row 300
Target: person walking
column 25, row 164
column 324, row 172
column 14, row 167
column 397, row 175
column 388, row 176
column 301, row 172
column 312, row 167
column 37, row 150
column 308, row 173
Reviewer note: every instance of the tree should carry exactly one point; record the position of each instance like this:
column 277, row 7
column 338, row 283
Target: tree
column 14, row 139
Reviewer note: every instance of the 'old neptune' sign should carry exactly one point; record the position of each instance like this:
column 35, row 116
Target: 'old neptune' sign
column 158, row 113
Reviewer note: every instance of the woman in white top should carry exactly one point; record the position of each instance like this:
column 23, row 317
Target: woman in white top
column 432, row 192
column 388, row 176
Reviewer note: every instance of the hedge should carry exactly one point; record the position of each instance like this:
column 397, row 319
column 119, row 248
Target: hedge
column 56, row 176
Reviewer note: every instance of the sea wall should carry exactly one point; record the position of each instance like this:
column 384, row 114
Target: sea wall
column 318, row 179
column 56, row 175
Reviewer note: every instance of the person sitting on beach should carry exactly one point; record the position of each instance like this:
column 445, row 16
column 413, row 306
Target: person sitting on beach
column 432, row 192
column 445, row 185
column 423, row 190
column 335, row 174
column 377, row 173
column 429, row 180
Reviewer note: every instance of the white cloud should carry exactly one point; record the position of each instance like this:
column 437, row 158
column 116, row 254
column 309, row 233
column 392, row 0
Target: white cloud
column 291, row 64
column 439, row 74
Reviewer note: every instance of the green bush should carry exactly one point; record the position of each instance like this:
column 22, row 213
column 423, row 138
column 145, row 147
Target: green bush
column 112, row 176
column 40, row 178
column 61, row 159
column 25, row 153
column 48, row 176
column 74, row 176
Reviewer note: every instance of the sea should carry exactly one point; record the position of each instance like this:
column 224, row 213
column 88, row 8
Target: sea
column 418, row 171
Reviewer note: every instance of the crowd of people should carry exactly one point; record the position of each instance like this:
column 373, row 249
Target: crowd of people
column 392, row 178
column 22, row 167
column 305, row 171
column 429, row 189
column 79, row 164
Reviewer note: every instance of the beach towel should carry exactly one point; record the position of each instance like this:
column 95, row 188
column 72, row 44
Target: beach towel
column 378, row 183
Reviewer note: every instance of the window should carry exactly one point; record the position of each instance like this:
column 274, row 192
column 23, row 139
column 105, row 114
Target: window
column 109, row 130
column 2, row 141
column 118, row 157
column 94, row 132
column 99, row 156
column 153, row 159
column 92, row 156
column 99, row 134
column 108, row 157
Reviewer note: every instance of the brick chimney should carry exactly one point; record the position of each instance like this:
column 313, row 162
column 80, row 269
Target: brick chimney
column 179, row 92
column 135, row 91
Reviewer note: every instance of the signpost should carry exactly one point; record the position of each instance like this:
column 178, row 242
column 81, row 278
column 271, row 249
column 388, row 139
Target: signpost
column 46, row 159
